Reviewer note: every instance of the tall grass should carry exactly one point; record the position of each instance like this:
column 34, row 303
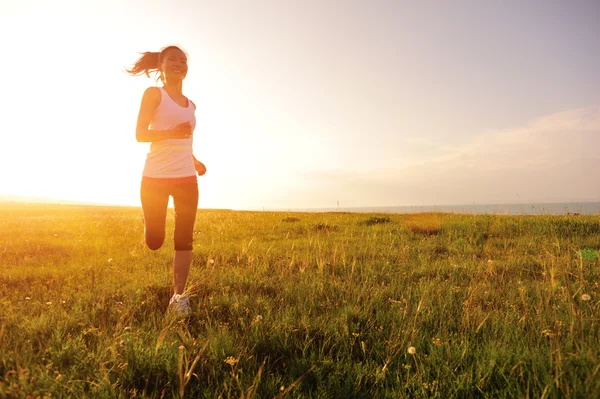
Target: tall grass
column 300, row 305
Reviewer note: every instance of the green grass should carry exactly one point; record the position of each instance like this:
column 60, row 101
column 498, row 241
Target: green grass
column 300, row 305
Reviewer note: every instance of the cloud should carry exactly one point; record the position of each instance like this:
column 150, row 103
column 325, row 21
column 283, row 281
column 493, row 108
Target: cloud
column 551, row 140
column 552, row 158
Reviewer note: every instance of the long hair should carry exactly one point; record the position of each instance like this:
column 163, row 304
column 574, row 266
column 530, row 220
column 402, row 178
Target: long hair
column 150, row 62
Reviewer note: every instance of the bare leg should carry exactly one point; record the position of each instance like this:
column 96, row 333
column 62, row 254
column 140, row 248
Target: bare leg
column 181, row 268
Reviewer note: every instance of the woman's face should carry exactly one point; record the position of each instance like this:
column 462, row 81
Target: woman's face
column 174, row 64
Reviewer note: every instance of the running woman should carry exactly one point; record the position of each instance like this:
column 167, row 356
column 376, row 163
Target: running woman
column 167, row 120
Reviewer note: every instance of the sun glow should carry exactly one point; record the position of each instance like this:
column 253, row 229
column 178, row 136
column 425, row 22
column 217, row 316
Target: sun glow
column 73, row 132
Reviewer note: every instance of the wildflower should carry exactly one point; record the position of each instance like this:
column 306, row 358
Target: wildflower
column 258, row 318
column 63, row 302
column 48, row 303
column 110, row 260
column 127, row 328
column 211, row 261
column 119, row 303
column 232, row 361
column 412, row 350
column 585, row 297
column 27, row 298
column 121, row 343
column 181, row 347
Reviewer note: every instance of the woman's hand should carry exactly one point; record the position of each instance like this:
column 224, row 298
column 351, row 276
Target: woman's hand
column 182, row 131
column 199, row 166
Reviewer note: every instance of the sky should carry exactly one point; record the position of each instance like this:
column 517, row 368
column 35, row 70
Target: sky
column 310, row 104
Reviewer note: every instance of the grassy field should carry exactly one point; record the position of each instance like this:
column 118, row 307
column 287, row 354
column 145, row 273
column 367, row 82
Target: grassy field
column 300, row 305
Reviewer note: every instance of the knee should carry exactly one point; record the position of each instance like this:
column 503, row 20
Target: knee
column 184, row 245
column 154, row 242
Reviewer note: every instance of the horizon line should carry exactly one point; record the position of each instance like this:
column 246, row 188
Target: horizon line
column 22, row 199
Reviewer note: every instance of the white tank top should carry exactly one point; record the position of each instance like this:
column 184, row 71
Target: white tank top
column 171, row 158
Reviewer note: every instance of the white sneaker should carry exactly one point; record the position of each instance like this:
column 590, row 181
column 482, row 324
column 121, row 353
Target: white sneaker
column 180, row 305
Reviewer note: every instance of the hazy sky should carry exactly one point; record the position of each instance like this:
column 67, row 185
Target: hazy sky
column 304, row 104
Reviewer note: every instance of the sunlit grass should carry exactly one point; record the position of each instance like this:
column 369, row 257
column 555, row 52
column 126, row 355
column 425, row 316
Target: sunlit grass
column 300, row 305
column 425, row 223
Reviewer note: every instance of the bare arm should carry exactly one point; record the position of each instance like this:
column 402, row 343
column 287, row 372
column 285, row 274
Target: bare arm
column 199, row 166
column 150, row 102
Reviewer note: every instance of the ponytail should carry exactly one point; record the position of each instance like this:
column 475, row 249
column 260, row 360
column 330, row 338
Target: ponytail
column 149, row 62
